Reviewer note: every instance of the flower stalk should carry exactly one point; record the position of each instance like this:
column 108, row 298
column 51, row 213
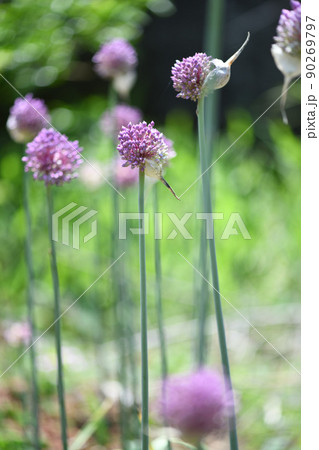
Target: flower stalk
column 30, row 307
column 143, row 299
column 119, row 313
column 52, row 158
column 159, row 307
column 57, row 326
column 213, row 36
column 203, row 307
column 158, row 278
column 143, row 146
column 194, row 78
column 213, row 263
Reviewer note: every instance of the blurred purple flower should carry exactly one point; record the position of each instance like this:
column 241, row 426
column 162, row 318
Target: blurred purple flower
column 287, row 48
column 27, row 117
column 171, row 153
column 115, row 58
column 196, row 404
column 52, row 157
column 17, row 333
column 120, row 116
column 289, row 29
column 188, row 75
column 124, row 176
column 139, row 143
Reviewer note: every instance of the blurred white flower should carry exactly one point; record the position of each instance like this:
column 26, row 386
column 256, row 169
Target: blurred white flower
column 273, row 411
column 92, row 174
column 73, row 357
column 114, row 391
column 124, row 83
column 17, row 333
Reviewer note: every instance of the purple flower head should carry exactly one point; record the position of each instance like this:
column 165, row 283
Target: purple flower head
column 139, row 143
column 115, row 58
column 188, row 76
column 196, row 404
column 52, row 157
column 124, row 177
column 27, row 117
column 289, row 30
column 120, row 116
column 287, row 49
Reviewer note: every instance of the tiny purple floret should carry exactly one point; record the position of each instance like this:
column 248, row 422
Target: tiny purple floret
column 52, row 157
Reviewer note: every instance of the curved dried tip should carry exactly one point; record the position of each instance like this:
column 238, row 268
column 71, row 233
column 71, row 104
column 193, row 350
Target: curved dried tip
column 168, row 187
column 235, row 55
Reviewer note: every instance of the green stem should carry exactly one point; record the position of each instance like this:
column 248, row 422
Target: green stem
column 158, row 274
column 203, row 301
column 130, row 320
column 57, row 326
column 213, row 262
column 128, row 317
column 143, row 299
column 213, row 33
column 119, row 310
column 159, row 308
column 95, row 300
column 213, row 36
column 30, row 306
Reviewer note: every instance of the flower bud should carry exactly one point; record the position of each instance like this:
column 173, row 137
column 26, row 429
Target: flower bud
column 154, row 168
column 193, row 78
column 220, row 75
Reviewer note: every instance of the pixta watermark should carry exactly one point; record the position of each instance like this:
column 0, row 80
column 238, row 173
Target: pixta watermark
column 66, row 224
column 233, row 226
